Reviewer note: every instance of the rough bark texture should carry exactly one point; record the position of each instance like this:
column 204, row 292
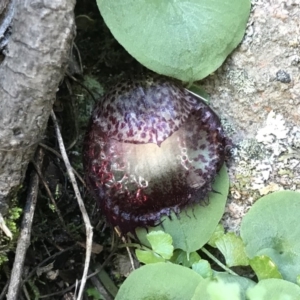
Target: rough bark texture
column 3, row 7
column 36, row 57
column 6, row 17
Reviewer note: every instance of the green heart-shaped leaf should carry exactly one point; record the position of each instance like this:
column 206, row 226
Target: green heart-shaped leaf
column 160, row 281
column 275, row 289
column 271, row 228
column 195, row 225
column 223, row 286
column 187, row 39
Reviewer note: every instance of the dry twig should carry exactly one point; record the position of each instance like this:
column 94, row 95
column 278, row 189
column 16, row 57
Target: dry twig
column 52, row 257
column 79, row 57
column 89, row 229
column 3, row 293
column 127, row 248
column 38, row 170
column 83, row 86
column 59, row 156
column 98, row 269
column 24, row 238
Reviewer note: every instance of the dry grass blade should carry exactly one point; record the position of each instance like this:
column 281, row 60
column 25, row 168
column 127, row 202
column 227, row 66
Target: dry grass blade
column 127, row 248
column 24, row 238
column 89, row 229
column 50, row 196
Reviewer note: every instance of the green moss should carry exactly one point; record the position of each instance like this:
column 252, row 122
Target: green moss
column 3, row 258
column 13, row 215
column 11, row 221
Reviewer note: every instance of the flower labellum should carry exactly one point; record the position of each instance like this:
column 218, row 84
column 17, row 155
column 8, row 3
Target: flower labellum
column 151, row 148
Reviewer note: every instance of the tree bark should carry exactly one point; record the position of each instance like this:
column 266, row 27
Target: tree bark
column 36, row 57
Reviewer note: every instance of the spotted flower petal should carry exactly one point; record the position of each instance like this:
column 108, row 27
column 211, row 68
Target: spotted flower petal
column 151, row 148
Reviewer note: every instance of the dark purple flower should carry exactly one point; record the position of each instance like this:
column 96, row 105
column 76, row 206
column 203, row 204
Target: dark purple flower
column 151, row 148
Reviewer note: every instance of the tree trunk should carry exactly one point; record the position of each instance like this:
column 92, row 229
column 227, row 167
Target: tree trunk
column 36, row 56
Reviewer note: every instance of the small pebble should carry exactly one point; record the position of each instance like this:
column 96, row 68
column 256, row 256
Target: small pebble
column 283, row 76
